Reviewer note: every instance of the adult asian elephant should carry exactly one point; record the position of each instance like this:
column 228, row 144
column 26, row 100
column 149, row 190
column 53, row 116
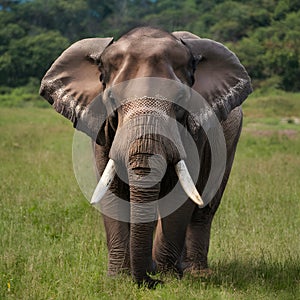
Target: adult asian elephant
column 84, row 84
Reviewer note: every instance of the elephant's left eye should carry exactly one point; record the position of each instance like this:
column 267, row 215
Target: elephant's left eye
column 192, row 68
column 100, row 66
column 192, row 79
column 101, row 78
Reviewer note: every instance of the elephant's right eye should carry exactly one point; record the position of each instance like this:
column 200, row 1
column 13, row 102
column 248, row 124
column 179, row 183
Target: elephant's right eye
column 100, row 65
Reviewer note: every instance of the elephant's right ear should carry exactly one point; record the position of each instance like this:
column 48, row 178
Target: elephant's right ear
column 219, row 76
column 72, row 84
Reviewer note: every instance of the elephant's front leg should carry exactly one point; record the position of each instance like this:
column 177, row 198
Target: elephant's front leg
column 197, row 241
column 117, row 232
column 117, row 236
column 198, row 231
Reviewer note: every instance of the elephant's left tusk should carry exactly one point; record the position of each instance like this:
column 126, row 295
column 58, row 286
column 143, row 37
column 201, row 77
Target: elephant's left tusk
column 187, row 183
column 104, row 182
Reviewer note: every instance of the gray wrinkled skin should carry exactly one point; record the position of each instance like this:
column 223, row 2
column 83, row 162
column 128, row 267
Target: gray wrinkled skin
column 146, row 129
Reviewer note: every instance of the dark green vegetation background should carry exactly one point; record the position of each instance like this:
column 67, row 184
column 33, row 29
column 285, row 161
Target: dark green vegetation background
column 264, row 33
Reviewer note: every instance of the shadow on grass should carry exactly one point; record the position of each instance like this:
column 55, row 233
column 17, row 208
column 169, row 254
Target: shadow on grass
column 271, row 276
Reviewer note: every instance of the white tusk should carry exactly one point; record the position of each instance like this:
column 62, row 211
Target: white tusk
column 104, row 182
column 187, row 183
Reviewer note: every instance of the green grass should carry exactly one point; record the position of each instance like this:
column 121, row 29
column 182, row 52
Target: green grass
column 52, row 242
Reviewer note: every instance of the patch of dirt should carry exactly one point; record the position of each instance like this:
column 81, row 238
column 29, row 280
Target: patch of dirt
column 291, row 120
column 290, row 133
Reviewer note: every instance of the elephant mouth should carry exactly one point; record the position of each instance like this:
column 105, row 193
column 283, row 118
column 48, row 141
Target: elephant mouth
column 181, row 171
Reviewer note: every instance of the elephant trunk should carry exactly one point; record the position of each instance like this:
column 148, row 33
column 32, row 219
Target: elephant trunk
column 145, row 172
column 144, row 191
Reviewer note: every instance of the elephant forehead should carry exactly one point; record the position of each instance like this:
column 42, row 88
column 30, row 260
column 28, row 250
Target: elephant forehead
column 147, row 48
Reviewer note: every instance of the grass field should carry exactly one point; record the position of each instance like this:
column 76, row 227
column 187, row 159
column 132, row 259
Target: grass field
column 52, row 242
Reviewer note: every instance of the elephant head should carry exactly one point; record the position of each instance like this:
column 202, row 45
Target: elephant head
column 84, row 84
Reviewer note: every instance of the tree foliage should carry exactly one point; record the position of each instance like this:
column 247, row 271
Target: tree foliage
column 265, row 34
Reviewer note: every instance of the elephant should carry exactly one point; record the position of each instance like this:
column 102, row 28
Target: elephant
column 102, row 85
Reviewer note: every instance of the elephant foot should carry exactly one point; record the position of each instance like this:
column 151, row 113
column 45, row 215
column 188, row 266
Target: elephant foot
column 173, row 270
column 149, row 283
column 112, row 272
column 152, row 268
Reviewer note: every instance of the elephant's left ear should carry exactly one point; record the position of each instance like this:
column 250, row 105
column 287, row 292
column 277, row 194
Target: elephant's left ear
column 219, row 77
column 72, row 84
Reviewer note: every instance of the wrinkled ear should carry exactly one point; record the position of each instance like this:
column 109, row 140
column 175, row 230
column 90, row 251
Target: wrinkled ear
column 72, row 85
column 219, row 76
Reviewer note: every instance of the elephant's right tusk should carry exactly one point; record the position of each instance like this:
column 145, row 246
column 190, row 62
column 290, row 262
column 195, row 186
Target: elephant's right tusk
column 187, row 183
column 104, row 182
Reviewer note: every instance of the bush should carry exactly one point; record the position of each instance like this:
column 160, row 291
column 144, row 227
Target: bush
column 27, row 95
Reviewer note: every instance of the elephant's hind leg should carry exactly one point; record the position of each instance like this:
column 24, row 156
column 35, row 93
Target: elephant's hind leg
column 169, row 239
column 198, row 238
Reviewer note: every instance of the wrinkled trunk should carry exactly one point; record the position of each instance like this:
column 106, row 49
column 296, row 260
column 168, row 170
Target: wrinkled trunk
column 145, row 144
column 144, row 174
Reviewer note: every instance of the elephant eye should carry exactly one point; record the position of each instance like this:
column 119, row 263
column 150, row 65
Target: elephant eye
column 100, row 65
column 101, row 78
column 193, row 67
column 100, row 68
column 192, row 79
column 102, row 74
